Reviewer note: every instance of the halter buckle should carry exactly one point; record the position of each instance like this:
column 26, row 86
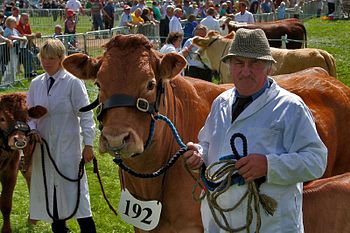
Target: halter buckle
column 142, row 105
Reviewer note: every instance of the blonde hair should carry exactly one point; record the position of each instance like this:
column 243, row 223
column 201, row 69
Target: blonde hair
column 10, row 20
column 52, row 48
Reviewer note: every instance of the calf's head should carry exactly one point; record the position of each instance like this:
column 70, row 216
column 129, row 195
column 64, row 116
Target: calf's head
column 14, row 116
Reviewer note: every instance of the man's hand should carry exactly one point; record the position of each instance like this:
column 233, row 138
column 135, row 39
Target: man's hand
column 88, row 153
column 252, row 166
column 193, row 158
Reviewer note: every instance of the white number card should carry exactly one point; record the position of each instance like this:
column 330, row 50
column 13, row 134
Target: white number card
column 141, row 214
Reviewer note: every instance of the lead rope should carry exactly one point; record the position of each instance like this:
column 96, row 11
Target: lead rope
column 80, row 175
column 222, row 177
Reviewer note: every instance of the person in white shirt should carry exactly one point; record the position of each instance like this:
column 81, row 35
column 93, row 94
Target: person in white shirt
column 173, row 43
column 175, row 23
column 70, row 135
column 244, row 16
column 210, row 22
column 195, row 68
column 281, row 151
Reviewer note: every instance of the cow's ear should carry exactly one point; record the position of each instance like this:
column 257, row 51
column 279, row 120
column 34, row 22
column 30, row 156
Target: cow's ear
column 82, row 66
column 230, row 36
column 171, row 65
column 201, row 42
column 37, row 112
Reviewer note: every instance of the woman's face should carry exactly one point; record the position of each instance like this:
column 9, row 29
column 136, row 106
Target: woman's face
column 12, row 25
column 51, row 65
column 177, row 43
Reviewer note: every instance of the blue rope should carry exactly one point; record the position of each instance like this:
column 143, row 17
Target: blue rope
column 170, row 162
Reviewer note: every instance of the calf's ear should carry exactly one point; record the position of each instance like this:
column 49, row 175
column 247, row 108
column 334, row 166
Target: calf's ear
column 82, row 66
column 37, row 111
column 171, row 65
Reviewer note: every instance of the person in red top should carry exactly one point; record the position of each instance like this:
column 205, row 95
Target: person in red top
column 25, row 54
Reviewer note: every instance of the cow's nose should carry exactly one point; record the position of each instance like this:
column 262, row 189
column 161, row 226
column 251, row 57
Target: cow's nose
column 20, row 143
column 117, row 142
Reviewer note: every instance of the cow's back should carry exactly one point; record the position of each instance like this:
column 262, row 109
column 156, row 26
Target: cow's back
column 328, row 100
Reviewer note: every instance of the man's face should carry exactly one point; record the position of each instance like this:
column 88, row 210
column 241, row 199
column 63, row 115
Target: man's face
column 249, row 74
column 24, row 19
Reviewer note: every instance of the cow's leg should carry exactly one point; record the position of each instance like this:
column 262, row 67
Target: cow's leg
column 8, row 182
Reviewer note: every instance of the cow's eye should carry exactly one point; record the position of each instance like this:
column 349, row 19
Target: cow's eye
column 151, row 85
column 2, row 119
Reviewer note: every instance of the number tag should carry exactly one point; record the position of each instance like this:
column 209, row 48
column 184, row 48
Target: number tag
column 141, row 214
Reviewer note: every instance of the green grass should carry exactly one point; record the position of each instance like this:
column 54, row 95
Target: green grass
column 328, row 35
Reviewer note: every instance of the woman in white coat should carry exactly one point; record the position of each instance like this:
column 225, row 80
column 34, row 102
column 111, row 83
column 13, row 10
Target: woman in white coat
column 283, row 146
column 62, row 127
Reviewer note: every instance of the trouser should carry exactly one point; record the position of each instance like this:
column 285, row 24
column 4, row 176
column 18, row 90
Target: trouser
column 331, row 7
column 196, row 72
column 87, row 225
column 11, row 67
column 26, row 58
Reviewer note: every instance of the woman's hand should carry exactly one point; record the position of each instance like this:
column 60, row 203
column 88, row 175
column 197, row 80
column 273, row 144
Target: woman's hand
column 88, row 153
column 192, row 157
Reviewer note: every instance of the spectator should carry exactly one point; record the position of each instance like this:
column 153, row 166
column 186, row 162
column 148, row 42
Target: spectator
column 283, row 147
column 173, row 43
column 76, row 7
column 244, row 16
column 190, row 25
column 141, row 5
column 70, row 28
column 281, row 10
column 136, row 17
column 26, row 54
column 254, row 6
column 164, row 23
column 210, row 22
column 8, row 7
column 65, row 129
column 156, row 11
column 146, row 15
column 2, row 17
column 126, row 20
column 195, row 68
column 267, row 6
column 175, row 21
column 15, row 13
column 96, row 15
column 19, row 41
column 187, row 8
column 4, row 48
column 108, row 15
column 58, row 31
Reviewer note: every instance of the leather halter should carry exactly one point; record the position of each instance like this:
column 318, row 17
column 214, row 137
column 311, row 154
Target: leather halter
column 17, row 126
column 123, row 100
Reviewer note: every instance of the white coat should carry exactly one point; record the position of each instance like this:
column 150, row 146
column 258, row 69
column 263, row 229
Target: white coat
column 61, row 127
column 279, row 125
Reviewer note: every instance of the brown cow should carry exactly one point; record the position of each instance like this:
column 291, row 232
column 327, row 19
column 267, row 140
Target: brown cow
column 214, row 46
column 326, row 205
column 13, row 139
column 130, row 69
column 293, row 28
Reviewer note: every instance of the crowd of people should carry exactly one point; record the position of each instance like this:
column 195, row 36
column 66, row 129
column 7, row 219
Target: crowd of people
column 170, row 16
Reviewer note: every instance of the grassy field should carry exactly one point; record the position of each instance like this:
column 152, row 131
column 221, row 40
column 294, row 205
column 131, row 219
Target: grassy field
column 328, row 35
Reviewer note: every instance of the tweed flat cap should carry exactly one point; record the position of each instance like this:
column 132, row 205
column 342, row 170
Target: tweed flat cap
column 250, row 43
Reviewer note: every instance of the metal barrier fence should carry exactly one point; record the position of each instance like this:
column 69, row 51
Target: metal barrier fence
column 18, row 64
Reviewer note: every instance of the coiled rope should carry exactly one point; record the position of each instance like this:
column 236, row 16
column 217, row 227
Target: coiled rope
column 222, row 178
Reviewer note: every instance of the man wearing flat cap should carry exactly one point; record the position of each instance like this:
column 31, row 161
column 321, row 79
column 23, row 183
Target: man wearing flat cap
column 282, row 148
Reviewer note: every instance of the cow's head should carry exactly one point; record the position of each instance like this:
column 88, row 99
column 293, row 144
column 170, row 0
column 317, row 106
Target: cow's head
column 210, row 46
column 14, row 116
column 131, row 71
